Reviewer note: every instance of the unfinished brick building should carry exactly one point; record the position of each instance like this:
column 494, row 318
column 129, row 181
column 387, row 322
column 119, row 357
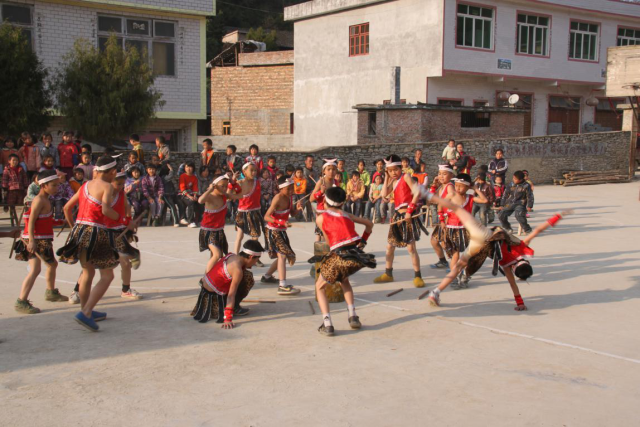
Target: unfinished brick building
column 253, row 101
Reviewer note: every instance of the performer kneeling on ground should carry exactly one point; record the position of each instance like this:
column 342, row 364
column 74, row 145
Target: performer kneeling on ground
column 36, row 245
column 346, row 256
column 212, row 235
column 249, row 219
column 407, row 231
column 90, row 241
column 226, row 284
column 278, row 246
column 457, row 239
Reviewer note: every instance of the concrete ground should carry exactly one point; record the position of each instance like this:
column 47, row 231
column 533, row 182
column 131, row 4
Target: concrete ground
column 573, row 359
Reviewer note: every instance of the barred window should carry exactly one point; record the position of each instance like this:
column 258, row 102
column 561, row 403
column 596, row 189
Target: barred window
column 533, row 35
column 20, row 16
column 475, row 26
column 583, row 42
column 359, row 39
column 628, row 37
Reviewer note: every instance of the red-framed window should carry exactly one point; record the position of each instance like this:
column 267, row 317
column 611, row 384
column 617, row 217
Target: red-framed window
column 359, row 39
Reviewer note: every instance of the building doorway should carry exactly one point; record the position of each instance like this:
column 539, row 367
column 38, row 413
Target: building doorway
column 564, row 115
column 608, row 115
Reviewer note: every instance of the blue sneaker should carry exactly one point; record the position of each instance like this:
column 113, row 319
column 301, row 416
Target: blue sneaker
column 88, row 323
column 98, row 316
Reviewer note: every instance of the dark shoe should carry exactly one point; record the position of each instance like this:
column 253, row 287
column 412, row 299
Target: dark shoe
column 240, row 311
column 54, row 296
column 25, row 307
column 354, row 322
column 87, row 322
column 271, row 280
column 440, row 264
column 98, row 316
column 326, row 331
column 288, row 290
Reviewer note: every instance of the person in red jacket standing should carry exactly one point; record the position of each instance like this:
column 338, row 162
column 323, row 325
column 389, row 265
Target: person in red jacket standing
column 68, row 152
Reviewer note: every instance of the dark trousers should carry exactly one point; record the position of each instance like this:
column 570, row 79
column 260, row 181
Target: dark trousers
column 521, row 217
column 58, row 208
column 176, row 209
column 139, row 206
column 482, row 209
column 189, row 208
column 354, row 208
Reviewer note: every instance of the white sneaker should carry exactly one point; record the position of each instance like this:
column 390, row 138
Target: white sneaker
column 176, row 225
column 184, row 222
column 193, row 225
column 131, row 294
column 74, row 298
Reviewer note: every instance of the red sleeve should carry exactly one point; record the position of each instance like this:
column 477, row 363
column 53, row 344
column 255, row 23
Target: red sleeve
column 195, row 184
column 183, row 185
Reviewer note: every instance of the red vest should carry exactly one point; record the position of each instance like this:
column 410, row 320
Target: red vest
column 283, row 215
column 219, row 278
column 339, row 228
column 90, row 208
column 44, row 226
column 119, row 206
column 250, row 201
column 213, row 220
column 510, row 257
column 402, row 195
column 454, row 221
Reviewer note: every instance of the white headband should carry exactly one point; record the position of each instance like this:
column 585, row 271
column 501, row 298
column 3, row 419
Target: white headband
column 106, row 167
column 220, row 178
column 462, row 181
column 445, row 168
column 285, row 184
column 330, row 162
column 122, row 174
column 332, row 202
column 48, row 179
column 250, row 252
column 390, row 164
column 246, row 165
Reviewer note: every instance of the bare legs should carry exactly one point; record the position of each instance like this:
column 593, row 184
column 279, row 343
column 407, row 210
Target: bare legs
column 216, row 254
column 239, row 237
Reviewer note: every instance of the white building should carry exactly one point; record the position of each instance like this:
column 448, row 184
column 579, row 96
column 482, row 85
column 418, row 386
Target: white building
column 551, row 53
column 173, row 32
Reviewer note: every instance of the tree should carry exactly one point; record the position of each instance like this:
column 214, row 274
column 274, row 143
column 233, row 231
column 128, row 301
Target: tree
column 260, row 35
column 26, row 100
column 107, row 94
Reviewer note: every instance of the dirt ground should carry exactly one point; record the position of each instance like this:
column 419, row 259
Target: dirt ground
column 573, row 359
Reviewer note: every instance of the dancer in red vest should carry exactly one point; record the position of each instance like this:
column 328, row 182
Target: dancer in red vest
column 212, row 235
column 439, row 234
column 226, row 284
column 36, row 245
column 328, row 180
column 346, row 256
column 90, row 241
column 249, row 219
column 406, row 232
column 278, row 246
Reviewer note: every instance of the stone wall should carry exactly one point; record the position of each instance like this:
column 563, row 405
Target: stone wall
column 544, row 157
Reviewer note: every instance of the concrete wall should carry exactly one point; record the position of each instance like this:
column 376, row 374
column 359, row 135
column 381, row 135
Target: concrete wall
column 189, row 6
column 544, row 157
column 421, row 125
column 404, row 33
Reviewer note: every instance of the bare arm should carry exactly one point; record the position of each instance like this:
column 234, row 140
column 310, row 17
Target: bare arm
column 203, row 198
column 268, row 216
column 316, row 189
column 237, row 275
column 479, row 197
column 107, row 200
column 68, row 208
column 368, row 225
column 539, row 229
column 36, row 209
column 386, row 185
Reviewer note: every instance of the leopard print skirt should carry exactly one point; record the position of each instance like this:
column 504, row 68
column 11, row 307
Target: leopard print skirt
column 210, row 305
column 405, row 232
column 457, row 240
column 123, row 244
column 278, row 243
column 94, row 245
column 44, row 250
column 216, row 238
column 439, row 233
column 338, row 266
column 251, row 222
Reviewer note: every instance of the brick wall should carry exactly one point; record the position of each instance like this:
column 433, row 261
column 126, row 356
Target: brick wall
column 416, row 125
column 545, row 157
column 281, row 57
column 255, row 100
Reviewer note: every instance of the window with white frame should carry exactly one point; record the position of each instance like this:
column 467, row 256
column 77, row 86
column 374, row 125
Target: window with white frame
column 628, row 37
column 533, row 35
column 151, row 37
column 18, row 15
column 475, row 26
column 583, row 41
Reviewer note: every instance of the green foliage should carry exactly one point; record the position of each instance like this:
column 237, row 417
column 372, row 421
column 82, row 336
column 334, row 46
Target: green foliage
column 26, row 101
column 106, row 95
column 260, row 35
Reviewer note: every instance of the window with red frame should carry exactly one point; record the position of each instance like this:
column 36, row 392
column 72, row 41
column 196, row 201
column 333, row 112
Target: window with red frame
column 359, row 39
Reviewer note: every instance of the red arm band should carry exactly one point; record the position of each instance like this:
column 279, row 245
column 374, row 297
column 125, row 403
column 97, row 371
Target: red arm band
column 440, row 217
column 411, row 208
column 228, row 314
column 519, row 300
column 318, row 195
column 235, row 187
column 365, row 236
column 554, row 220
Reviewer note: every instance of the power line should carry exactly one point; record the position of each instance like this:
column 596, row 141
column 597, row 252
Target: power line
column 249, row 8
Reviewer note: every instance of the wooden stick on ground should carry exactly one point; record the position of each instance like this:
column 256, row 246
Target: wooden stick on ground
column 390, row 294
column 424, row 294
column 313, row 310
column 259, row 301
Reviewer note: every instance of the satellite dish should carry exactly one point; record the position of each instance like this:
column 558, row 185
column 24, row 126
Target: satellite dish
column 592, row 102
column 504, row 95
column 513, row 99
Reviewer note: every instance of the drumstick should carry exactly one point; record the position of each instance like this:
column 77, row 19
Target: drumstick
column 313, row 311
column 64, row 225
column 415, row 216
column 390, row 294
column 259, row 301
column 125, row 231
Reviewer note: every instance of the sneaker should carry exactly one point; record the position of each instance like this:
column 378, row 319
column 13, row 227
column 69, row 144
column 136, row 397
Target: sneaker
column 464, row 281
column 384, row 278
column 176, row 224
column 54, row 296
column 193, row 225
column 434, row 299
column 354, row 322
column 288, row 290
column 98, row 316
column 271, row 279
column 131, row 294
column 240, row 311
column 184, row 222
column 440, row 264
column 418, row 282
column 25, row 307
column 74, row 298
column 455, row 284
column 259, row 263
column 156, row 222
column 327, row 331
column 87, row 322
